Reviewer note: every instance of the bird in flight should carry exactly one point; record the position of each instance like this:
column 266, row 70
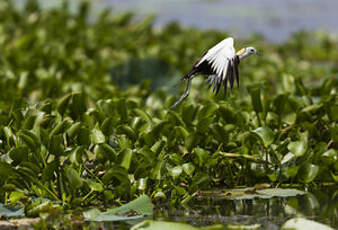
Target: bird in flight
column 220, row 63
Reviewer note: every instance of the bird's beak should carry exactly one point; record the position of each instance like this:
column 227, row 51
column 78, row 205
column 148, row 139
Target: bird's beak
column 258, row 53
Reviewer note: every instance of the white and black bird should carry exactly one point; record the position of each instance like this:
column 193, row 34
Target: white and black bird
column 220, row 63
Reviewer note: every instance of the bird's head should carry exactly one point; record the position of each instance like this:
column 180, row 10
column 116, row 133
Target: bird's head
column 247, row 51
column 251, row 50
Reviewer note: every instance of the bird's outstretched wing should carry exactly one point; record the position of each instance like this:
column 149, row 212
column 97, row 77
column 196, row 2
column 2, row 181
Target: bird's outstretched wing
column 220, row 63
column 222, row 59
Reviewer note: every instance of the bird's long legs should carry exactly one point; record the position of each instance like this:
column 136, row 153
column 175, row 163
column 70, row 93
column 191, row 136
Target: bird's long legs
column 186, row 93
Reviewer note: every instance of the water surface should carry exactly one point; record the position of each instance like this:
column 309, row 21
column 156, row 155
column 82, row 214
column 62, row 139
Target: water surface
column 274, row 19
column 320, row 205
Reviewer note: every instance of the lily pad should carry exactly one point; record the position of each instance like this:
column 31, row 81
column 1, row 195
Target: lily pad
column 281, row 192
column 7, row 211
column 134, row 210
column 253, row 192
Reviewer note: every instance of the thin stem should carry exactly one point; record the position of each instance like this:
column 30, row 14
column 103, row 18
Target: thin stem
column 86, row 196
column 6, row 198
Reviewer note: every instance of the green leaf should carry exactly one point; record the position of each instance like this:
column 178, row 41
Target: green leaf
column 126, row 156
column 280, row 102
column 142, row 184
column 189, row 112
column 105, row 151
column 332, row 112
column 159, row 128
column 63, row 103
column 291, row 172
column 204, row 123
column 127, row 130
column 16, row 196
column 78, row 104
column 308, row 172
column 19, row 154
column 76, row 155
column 255, row 93
column 122, row 109
column 298, row 148
column 56, row 146
column 108, row 125
column 49, row 170
column 74, row 178
column 176, row 171
column 96, row 136
column 181, row 132
column 116, row 172
column 84, row 137
column 29, row 139
column 59, row 128
column 220, row 133
column 188, row 168
column 6, row 169
column 206, row 111
column 74, row 129
column 157, row 147
column 8, row 133
column 97, row 187
column 334, row 177
column 202, row 155
column 266, row 135
column 228, row 114
column 329, row 157
column 288, row 82
column 137, row 209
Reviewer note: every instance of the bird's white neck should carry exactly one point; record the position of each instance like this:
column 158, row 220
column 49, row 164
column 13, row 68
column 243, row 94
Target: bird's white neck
column 243, row 53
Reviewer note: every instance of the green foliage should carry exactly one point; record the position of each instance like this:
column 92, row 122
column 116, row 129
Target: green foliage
column 68, row 133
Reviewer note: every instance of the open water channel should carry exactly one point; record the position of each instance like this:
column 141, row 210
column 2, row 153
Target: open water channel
column 274, row 19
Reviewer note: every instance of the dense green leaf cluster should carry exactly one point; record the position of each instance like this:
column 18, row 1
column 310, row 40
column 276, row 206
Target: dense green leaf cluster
column 69, row 133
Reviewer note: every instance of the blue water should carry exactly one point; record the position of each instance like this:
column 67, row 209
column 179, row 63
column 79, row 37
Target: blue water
column 274, row 19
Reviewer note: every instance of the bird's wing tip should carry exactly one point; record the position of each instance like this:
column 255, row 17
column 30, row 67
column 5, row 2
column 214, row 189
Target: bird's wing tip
column 230, row 39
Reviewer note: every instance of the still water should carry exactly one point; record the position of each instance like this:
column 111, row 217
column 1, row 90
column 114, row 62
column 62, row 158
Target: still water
column 274, row 19
column 320, row 205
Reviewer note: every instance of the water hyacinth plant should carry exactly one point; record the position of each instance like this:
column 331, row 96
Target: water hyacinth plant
column 69, row 133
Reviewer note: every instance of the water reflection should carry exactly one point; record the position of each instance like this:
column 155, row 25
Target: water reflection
column 319, row 205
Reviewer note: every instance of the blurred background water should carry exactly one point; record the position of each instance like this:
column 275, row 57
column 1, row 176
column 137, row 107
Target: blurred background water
column 274, row 19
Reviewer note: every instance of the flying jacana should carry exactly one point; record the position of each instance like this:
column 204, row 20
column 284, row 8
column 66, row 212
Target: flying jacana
column 220, row 63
